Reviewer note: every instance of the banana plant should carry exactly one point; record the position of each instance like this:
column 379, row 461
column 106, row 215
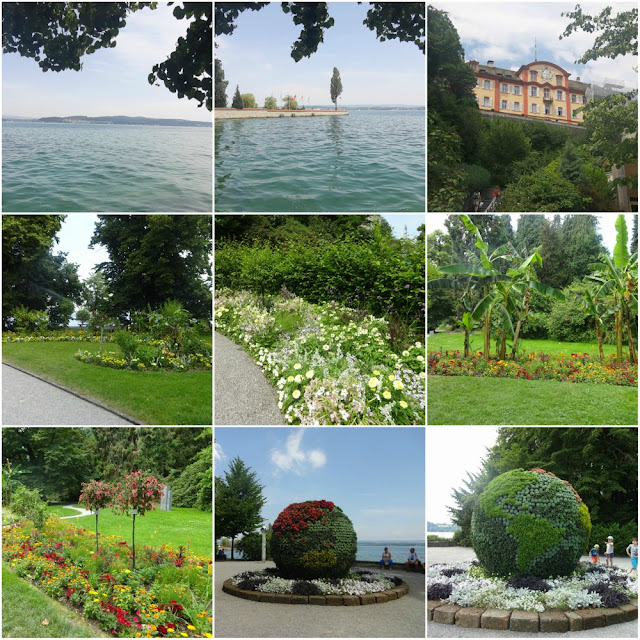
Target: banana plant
column 597, row 310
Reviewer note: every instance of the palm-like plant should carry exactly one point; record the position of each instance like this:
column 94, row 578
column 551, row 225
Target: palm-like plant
column 597, row 310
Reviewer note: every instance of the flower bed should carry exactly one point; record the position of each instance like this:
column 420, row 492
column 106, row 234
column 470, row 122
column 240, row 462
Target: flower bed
column 361, row 586
column 467, row 584
column 55, row 336
column 536, row 366
column 168, row 595
column 334, row 367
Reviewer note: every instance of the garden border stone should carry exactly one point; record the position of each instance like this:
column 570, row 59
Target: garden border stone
column 328, row 600
column 551, row 621
column 74, row 393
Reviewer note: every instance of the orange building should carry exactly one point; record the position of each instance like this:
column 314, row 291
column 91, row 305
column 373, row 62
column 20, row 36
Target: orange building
column 540, row 90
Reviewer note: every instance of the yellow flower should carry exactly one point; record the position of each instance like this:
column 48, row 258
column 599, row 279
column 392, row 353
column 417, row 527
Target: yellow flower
column 403, row 404
column 184, row 635
column 386, row 394
column 297, row 366
column 138, row 634
column 207, row 635
column 170, row 630
column 127, row 570
column 93, row 593
column 155, row 615
column 191, row 627
column 96, row 600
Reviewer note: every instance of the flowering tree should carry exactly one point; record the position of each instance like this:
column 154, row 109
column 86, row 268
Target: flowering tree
column 136, row 493
column 95, row 496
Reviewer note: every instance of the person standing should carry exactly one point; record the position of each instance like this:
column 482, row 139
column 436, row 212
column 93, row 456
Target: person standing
column 609, row 552
column 632, row 552
column 476, row 201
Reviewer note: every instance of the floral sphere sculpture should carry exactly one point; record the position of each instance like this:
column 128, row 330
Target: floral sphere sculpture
column 313, row 539
column 530, row 523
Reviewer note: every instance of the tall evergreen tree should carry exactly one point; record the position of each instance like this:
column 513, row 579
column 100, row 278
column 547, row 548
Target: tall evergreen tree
column 551, row 251
column 220, row 85
column 527, row 237
column 237, row 103
column 239, row 501
column 571, row 164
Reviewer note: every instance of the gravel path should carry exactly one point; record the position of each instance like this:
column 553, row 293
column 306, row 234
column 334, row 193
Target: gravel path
column 30, row 400
column 242, row 393
column 238, row 618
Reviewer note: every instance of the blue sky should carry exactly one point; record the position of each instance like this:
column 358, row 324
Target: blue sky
column 398, row 222
column 74, row 237
column 375, row 475
column 506, row 32
column 111, row 82
column 257, row 58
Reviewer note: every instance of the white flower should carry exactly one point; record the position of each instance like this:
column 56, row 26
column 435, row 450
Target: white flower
column 398, row 385
column 373, row 383
column 309, row 374
column 298, row 378
column 297, row 366
column 403, row 404
column 405, row 353
column 386, row 394
column 296, row 394
column 326, row 347
column 290, row 379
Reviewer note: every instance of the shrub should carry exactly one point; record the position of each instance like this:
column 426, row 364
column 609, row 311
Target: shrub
column 477, row 177
column 530, row 523
column 610, row 597
column 313, row 539
column 29, row 320
column 189, row 483
column 128, row 342
column 439, row 591
column 28, row 504
column 251, row 545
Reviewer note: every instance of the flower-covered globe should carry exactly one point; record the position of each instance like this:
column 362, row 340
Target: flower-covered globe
column 313, row 539
column 530, row 523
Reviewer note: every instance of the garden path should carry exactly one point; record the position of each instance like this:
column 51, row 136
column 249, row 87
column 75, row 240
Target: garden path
column 239, row 618
column 28, row 399
column 83, row 512
column 242, row 393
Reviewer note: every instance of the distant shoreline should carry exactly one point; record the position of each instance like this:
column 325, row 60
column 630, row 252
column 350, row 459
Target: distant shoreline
column 111, row 120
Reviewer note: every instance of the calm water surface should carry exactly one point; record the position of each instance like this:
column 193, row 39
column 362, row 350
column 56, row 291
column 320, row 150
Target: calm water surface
column 369, row 160
column 72, row 167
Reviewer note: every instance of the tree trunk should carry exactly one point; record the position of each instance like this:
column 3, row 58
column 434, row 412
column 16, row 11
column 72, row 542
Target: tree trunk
column 619, row 336
column 599, row 334
column 466, row 342
column 232, row 541
column 503, row 346
column 487, row 330
column 632, row 347
column 525, row 305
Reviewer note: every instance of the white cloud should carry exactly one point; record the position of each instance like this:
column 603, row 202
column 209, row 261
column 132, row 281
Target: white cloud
column 218, row 453
column 295, row 459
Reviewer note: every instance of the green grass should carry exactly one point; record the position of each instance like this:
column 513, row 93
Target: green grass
column 59, row 510
column 453, row 341
column 24, row 608
column 153, row 397
column 174, row 527
column 469, row 400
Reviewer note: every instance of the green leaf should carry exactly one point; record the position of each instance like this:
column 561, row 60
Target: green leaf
column 545, row 290
column 467, row 270
column 484, row 305
column 620, row 252
column 504, row 318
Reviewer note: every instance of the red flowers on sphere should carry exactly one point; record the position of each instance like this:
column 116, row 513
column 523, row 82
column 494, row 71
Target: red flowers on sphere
column 298, row 515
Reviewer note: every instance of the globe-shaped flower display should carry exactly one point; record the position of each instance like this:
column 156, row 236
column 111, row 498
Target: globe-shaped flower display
column 313, row 539
column 530, row 523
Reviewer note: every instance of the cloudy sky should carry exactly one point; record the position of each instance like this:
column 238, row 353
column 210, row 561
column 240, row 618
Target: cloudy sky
column 505, row 33
column 375, row 475
column 257, row 57
column 111, row 82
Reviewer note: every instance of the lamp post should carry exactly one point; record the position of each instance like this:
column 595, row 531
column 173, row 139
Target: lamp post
column 263, row 531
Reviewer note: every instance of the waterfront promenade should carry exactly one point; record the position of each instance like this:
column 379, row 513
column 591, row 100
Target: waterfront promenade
column 235, row 114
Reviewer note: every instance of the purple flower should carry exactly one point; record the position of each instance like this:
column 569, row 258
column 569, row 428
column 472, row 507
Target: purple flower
column 407, row 286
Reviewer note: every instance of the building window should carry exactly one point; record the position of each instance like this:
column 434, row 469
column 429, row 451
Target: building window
column 560, row 111
column 516, row 106
column 559, row 95
column 533, row 92
column 504, row 88
column 574, row 114
column 533, row 108
column 516, row 91
column 504, row 104
column 534, row 76
column 547, row 95
column 486, row 102
column 574, row 97
column 559, row 80
column 486, row 84
column 547, row 110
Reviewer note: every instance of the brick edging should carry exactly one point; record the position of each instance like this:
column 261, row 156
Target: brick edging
column 330, row 600
column 530, row 621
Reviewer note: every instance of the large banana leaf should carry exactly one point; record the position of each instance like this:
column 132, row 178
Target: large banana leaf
column 545, row 289
column 467, row 270
column 445, row 283
column 484, row 305
column 480, row 243
column 620, row 252
column 504, row 318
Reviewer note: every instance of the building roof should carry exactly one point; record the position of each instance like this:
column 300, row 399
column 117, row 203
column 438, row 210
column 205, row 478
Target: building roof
column 499, row 72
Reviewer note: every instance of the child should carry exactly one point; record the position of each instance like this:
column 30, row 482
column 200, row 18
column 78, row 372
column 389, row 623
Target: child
column 632, row 552
column 594, row 553
column 609, row 552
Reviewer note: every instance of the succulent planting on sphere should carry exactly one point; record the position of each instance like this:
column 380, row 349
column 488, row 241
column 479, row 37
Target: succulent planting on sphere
column 313, row 539
column 530, row 523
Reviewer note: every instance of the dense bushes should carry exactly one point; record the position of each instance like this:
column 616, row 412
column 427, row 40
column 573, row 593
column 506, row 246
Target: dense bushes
column 313, row 539
column 622, row 534
column 251, row 545
column 384, row 276
column 193, row 486
column 530, row 523
column 28, row 504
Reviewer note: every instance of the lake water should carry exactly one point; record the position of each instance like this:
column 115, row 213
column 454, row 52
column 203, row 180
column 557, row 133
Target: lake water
column 108, row 168
column 442, row 534
column 367, row 161
column 372, row 551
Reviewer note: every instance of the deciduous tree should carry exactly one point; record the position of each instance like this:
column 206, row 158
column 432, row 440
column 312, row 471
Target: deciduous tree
column 336, row 87
column 270, row 103
column 220, row 86
column 248, row 101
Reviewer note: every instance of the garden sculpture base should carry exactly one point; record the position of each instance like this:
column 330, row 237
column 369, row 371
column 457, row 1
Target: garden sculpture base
column 322, row 600
column 530, row 621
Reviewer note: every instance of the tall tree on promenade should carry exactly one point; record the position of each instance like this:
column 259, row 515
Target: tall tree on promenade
column 336, row 87
column 220, row 86
column 155, row 258
column 239, row 501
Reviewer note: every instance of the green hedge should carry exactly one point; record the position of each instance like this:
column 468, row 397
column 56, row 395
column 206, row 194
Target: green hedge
column 530, row 523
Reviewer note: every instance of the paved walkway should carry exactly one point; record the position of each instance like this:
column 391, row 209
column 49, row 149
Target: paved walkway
column 238, row 618
column 83, row 512
column 29, row 400
column 242, row 393
column 437, row 555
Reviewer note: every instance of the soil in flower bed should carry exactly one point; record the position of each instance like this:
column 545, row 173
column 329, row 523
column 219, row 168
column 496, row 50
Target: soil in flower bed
column 578, row 367
column 167, row 595
column 467, row 584
column 358, row 582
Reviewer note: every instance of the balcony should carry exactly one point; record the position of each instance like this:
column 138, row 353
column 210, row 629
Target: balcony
column 547, row 100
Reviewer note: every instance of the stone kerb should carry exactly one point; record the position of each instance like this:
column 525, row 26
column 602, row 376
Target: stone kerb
column 530, row 621
column 329, row 600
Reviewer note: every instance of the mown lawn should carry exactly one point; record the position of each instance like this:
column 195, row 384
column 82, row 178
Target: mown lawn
column 176, row 527
column 153, row 397
column 25, row 608
column 453, row 341
column 470, row 400
column 60, row 510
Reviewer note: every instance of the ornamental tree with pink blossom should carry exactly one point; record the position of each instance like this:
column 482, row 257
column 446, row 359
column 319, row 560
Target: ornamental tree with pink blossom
column 135, row 495
column 96, row 495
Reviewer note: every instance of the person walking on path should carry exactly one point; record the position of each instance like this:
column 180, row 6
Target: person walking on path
column 476, row 201
column 632, row 552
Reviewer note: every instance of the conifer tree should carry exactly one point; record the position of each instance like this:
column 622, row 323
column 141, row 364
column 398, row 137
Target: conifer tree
column 336, row 87
column 236, row 103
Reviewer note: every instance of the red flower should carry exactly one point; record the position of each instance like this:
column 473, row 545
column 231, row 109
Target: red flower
column 162, row 629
